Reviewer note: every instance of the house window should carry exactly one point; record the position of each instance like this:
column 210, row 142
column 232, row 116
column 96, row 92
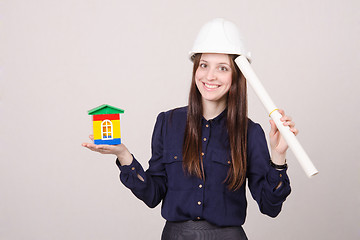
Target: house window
column 106, row 130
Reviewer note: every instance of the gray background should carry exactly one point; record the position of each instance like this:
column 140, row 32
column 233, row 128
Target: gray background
column 61, row 58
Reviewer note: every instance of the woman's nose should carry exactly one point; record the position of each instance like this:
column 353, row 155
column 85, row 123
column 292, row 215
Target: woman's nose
column 210, row 75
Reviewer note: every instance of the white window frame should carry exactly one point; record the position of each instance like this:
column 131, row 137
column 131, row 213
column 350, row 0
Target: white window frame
column 106, row 123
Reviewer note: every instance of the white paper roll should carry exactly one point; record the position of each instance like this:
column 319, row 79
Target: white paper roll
column 270, row 107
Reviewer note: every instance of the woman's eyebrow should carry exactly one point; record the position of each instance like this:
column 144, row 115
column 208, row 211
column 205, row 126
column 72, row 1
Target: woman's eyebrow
column 220, row 63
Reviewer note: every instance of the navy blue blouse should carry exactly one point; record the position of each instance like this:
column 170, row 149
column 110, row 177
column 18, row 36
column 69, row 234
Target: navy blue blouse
column 187, row 197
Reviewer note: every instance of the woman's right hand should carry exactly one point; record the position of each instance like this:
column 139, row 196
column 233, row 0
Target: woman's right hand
column 122, row 153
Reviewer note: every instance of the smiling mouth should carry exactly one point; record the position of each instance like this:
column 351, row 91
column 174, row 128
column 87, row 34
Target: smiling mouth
column 211, row 86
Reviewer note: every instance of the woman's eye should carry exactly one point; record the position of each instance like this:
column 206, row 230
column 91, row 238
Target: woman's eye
column 203, row 65
column 222, row 68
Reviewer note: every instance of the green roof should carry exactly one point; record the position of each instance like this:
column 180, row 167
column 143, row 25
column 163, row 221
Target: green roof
column 105, row 109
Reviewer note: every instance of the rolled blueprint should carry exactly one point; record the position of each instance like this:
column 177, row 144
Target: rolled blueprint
column 270, row 107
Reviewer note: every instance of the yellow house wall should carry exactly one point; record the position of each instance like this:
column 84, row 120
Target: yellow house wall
column 97, row 129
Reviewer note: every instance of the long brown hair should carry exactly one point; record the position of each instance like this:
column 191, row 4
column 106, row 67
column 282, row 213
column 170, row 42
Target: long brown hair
column 236, row 126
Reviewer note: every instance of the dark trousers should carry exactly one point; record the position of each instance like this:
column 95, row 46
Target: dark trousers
column 201, row 230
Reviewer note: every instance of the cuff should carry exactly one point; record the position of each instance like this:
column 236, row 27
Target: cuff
column 129, row 174
column 135, row 165
column 274, row 177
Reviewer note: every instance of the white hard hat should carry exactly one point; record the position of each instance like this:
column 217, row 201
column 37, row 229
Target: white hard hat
column 219, row 36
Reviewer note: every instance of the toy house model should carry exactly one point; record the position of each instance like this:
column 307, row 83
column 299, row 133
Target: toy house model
column 106, row 124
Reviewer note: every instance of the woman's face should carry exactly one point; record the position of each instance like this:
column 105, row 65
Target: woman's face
column 213, row 77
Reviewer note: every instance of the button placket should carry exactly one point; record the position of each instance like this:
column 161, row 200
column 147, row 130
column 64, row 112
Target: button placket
column 200, row 186
column 205, row 136
column 199, row 202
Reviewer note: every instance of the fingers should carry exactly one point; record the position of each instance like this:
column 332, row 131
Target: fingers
column 294, row 130
column 284, row 117
column 104, row 149
column 287, row 121
column 96, row 148
column 281, row 111
column 90, row 146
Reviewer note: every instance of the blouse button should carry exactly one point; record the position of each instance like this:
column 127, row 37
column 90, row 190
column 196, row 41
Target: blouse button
column 175, row 157
column 280, row 175
column 198, row 218
column 205, row 139
column 133, row 168
column 207, row 125
column 200, row 185
column 229, row 162
column 199, row 203
column 202, row 154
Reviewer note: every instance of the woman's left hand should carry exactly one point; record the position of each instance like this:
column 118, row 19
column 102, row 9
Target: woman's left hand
column 277, row 142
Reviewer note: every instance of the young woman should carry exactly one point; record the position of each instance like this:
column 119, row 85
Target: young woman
column 202, row 155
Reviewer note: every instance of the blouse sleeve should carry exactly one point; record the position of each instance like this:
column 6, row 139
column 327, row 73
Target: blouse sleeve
column 263, row 179
column 152, row 190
